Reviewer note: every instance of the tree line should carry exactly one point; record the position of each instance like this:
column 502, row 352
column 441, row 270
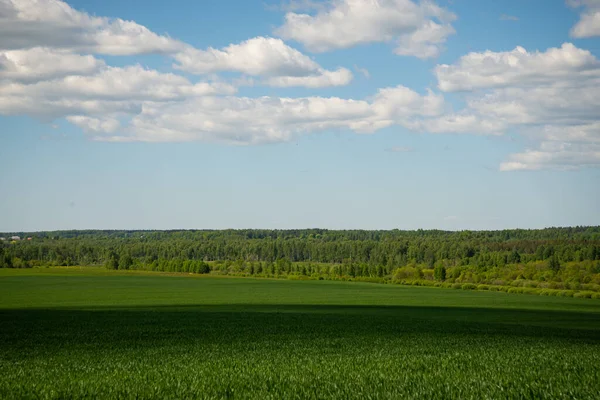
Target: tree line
column 562, row 257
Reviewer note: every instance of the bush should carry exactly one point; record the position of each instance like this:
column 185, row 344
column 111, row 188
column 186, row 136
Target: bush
column 524, row 290
column 565, row 293
column 483, row 287
column 468, row 286
column 585, row 294
column 457, row 286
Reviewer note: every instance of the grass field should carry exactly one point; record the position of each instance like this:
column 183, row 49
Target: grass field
column 73, row 333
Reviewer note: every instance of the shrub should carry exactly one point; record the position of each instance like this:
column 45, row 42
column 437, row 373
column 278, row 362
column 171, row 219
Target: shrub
column 468, row 286
column 566, row 293
column 483, row 287
column 585, row 294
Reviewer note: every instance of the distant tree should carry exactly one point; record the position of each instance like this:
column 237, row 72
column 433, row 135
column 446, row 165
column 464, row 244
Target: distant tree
column 514, row 257
column 554, row 264
column 439, row 273
column 112, row 261
column 125, row 262
column 204, row 268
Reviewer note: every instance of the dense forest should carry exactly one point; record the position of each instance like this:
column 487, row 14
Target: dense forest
column 554, row 258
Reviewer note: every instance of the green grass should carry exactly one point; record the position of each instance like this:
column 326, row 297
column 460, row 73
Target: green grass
column 73, row 333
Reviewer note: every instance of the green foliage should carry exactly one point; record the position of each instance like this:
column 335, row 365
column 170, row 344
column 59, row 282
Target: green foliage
column 440, row 273
column 554, row 258
column 125, row 261
column 553, row 263
column 112, row 261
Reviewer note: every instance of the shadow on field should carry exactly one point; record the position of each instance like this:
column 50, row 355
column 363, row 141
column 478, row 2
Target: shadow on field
column 116, row 328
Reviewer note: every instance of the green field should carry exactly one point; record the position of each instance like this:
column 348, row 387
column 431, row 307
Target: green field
column 73, row 333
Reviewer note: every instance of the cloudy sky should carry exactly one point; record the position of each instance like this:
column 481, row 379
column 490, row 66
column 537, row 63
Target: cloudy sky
column 372, row 114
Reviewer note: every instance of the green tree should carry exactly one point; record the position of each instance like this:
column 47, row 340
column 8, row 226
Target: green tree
column 553, row 263
column 112, row 261
column 204, row 268
column 439, row 273
column 125, row 262
column 514, row 257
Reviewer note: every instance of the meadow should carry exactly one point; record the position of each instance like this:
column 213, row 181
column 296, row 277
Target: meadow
column 95, row 333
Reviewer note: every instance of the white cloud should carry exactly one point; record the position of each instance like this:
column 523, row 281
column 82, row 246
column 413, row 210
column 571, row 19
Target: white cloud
column 42, row 39
column 47, row 71
column 111, row 90
column 347, row 23
column 517, row 67
column 365, row 72
column 589, row 20
column 243, row 120
column 53, row 23
column 43, row 74
column 256, row 56
column 552, row 97
column 89, row 124
column 426, row 41
column 554, row 155
column 402, row 102
column 40, row 63
column 462, row 122
column 263, row 56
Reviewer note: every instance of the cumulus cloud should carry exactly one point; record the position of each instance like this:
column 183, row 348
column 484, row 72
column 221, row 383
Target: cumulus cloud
column 554, row 155
column 551, row 97
column 40, row 63
column 517, row 67
column 347, row 23
column 426, row 41
column 256, row 56
column 110, row 90
column 589, row 20
column 262, row 56
column 244, row 120
column 51, row 34
column 89, row 124
column 48, row 70
column 53, row 23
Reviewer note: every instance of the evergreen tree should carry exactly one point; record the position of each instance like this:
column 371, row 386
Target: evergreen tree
column 553, row 263
column 439, row 273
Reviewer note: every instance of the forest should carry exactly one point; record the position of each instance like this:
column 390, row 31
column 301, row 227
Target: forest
column 552, row 261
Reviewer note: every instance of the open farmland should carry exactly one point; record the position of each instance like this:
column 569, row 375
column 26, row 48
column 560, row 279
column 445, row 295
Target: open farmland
column 72, row 333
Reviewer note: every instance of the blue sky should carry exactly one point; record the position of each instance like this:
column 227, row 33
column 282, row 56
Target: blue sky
column 266, row 114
